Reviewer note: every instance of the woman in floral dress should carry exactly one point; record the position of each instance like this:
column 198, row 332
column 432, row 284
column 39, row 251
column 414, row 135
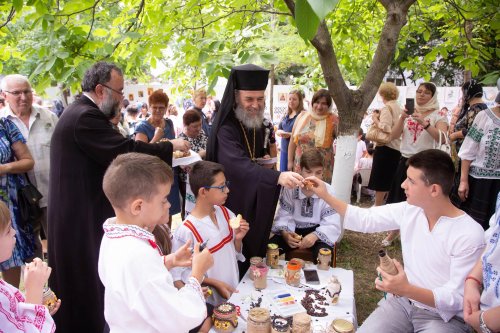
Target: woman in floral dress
column 316, row 128
column 15, row 158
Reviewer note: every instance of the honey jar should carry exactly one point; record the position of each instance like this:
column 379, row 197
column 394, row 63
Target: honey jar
column 324, row 259
column 292, row 274
column 272, row 255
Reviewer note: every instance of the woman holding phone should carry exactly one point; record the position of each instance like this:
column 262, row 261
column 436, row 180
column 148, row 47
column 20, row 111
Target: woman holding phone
column 419, row 131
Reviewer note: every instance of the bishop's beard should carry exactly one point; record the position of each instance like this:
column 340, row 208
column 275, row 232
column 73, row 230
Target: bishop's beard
column 110, row 107
column 250, row 118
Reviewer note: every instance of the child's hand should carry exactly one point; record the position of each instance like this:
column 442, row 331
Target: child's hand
column 319, row 187
column 36, row 275
column 291, row 238
column 394, row 284
column 183, row 256
column 224, row 289
column 206, row 292
column 202, row 261
column 308, row 241
column 56, row 307
column 242, row 230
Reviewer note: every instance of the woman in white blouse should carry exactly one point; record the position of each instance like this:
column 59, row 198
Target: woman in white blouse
column 419, row 132
column 480, row 165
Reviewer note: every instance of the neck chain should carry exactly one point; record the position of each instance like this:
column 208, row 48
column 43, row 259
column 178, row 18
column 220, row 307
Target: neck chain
column 251, row 152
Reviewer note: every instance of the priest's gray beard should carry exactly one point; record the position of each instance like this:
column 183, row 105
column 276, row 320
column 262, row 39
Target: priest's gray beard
column 110, row 107
column 252, row 118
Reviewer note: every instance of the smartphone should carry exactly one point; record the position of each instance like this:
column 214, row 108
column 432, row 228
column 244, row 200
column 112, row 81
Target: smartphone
column 311, row 276
column 410, row 106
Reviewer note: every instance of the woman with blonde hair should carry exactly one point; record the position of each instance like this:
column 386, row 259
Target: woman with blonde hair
column 316, row 128
column 386, row 156
column 200, row 100
column 295, row 107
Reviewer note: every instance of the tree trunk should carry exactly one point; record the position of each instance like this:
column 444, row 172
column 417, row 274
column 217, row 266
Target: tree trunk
column 352, row 104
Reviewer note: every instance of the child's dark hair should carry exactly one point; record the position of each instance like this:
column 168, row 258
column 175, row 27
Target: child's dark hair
column 134, row 175
column 370, row 148
column 203, row 174
column 436, row 166
column 4, row 216
column 311, row 158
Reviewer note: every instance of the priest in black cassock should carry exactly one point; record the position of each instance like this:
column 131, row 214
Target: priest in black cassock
column 83, row 145
column 238, row 141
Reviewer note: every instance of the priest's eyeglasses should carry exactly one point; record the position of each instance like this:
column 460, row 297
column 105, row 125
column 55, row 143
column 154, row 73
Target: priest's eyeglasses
column 222, row 188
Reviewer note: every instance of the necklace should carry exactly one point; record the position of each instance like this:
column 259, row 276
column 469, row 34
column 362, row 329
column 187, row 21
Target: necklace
column 251, row 152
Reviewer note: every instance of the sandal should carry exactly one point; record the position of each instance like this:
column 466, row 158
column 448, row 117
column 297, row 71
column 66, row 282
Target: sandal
column 386, row 243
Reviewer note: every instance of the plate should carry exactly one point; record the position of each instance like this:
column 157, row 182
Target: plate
column 193, row 157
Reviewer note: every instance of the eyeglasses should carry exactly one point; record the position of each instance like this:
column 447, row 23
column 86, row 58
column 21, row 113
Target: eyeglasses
column 116, row 91
column 222, row 188
column 19, row 92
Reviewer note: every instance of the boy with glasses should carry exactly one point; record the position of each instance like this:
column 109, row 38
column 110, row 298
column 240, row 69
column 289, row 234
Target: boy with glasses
column 209, row 222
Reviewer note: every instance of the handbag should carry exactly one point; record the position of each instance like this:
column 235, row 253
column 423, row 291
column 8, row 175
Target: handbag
column 443, row 145
column 376, row 134
column 28, row 198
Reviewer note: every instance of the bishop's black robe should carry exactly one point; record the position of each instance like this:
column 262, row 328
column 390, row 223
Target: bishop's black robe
column 254, row 189
column 83, row 145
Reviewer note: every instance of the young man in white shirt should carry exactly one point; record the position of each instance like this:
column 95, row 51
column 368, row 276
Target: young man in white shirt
column 440, row 245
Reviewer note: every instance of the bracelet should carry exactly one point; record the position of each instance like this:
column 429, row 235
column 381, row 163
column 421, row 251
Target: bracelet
column 427, row 126
column 470, row 277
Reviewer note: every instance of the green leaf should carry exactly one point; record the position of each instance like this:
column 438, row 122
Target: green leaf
column 306, row 19
column 322, row 7
column 99, row 32
column 18, row 5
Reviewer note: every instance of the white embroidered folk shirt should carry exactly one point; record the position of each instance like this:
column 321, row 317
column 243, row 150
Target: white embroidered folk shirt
column 481, row 146
column 297, row 211
column 220, row 239
column 139, row 292
column 437, row 259
column 17, row 316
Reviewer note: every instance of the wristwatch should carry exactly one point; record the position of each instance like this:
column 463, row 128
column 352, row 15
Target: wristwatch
column 482, row 325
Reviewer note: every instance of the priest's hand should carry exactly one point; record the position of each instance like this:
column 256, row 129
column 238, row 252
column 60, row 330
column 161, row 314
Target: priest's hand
column 319, row 187
column 290, row 179
column 55, row 308
column 308, row 241
column 180, row 144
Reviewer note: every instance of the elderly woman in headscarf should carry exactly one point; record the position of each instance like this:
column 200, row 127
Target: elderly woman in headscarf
column 420, row 131
column 316, row 128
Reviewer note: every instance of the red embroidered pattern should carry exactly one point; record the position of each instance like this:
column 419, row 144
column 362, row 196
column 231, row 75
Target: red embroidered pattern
column 223, row 242
column 415, row 128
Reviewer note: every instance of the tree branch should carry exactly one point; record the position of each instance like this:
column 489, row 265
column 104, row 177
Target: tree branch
column 131, row 25
column 9, row 17
column 80, row 11
column 397, row 13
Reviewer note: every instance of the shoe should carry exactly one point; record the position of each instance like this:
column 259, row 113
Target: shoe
column 386, row 243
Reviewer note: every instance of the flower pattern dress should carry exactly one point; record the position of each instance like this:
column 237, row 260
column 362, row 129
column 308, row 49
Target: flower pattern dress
column 305, row 140
column 9, row 183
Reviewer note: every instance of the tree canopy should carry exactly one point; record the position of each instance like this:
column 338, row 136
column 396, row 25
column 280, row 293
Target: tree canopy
column 199, row 41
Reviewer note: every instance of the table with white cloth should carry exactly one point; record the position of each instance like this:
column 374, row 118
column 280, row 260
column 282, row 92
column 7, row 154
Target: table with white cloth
column 344, row 309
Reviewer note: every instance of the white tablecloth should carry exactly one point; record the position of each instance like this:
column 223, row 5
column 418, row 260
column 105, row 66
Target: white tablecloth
column 345, row 309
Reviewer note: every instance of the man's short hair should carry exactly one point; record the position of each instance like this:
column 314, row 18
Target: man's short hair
column 436, row 166
column 99, row 73
column 311, row 158
column 203, row 174
column 133, row 175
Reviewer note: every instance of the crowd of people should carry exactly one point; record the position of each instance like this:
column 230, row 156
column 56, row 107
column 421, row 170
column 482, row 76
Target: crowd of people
column 109, row 190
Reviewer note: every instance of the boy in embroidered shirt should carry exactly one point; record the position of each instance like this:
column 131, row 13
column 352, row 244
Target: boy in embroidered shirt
column 139, row 292
column 20, row 313
column 303, row 220
column 209, row 221
column 440, row 244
